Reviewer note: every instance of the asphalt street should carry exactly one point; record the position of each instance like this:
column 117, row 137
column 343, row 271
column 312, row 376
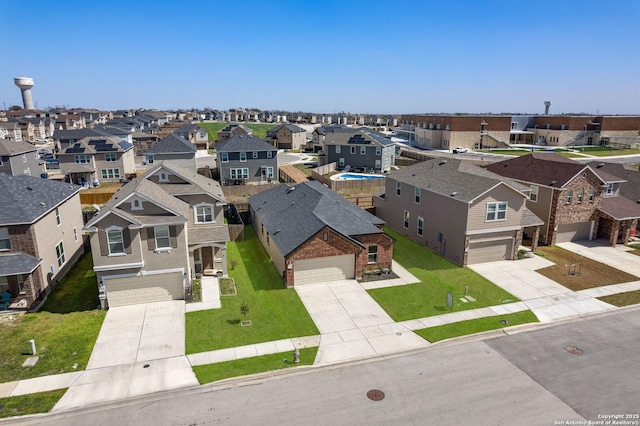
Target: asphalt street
column 528, row 377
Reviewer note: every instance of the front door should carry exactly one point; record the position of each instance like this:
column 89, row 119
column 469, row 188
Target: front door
column 197, row 261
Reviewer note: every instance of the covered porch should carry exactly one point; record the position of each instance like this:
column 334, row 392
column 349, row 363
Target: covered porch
column 618, row 218
column 81, row 174
column 19, row 285
column 208, row 250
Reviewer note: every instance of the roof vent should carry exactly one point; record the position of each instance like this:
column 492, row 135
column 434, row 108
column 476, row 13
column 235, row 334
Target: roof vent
column 291, row 189
column 29, row 188
column 42, row 203
column 600, row 165
column 453, row 194
column 277, row 230
column 442, row 162
column 553, row 182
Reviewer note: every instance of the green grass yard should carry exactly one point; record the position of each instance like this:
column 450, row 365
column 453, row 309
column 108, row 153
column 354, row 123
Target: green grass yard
column 438, row 276
column 34, row 403
column 77, row 291
column 259, row 129
column 242, row 367
column 62, row 342
column 463, row 328
column 275, row 312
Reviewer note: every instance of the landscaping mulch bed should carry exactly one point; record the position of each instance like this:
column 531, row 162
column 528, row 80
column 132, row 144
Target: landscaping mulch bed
column 227, row 287
column 587, row 273
column 378, row 277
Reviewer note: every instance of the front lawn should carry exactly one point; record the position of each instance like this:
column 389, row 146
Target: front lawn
column 63, row 342
column 622, row 299
column 259, row 129
column 242, row 367
column 77, row 291
column 275, row 312
column 34, row 403
column 438, row 276
column 463, row 328
column 585, row 274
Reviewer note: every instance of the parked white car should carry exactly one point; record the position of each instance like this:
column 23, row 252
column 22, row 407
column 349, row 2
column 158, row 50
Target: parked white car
column 459, row 149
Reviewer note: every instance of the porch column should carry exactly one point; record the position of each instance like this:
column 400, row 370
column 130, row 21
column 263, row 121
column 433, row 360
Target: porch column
column 534, row 239
column 613, row 236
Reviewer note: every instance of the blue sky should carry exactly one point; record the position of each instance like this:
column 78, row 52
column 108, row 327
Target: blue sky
column 324, row 56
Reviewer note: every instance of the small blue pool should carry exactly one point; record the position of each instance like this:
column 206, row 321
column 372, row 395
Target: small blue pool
column 356, row 176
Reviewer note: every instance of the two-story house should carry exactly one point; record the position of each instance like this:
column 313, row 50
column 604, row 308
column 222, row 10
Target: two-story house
column 97, row 160
column 195, row 134
column 155, row 233
column 175, row 149
column 575, row 201
column 356, row 148
column 314, row 235
column 19, row 158
column 40, row 236
column 246, row 159
column 460, row 211
column 10, row 130
column 232, row 130
column 287, row 136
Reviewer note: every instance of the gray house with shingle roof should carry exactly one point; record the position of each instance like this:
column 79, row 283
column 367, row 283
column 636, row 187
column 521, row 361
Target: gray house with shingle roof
column 246, row 159
column 156, row 233
column 175, row 149
column 314, row 235
column 355, row 148
column 460, row 211
column 40, row 236
column 19, row 158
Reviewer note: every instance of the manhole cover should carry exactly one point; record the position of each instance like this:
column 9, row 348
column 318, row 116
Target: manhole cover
column 573, row 350
column 375, row 395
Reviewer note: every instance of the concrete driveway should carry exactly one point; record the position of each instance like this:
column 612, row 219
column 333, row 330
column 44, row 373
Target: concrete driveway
column 352, row 324
column 140, row 350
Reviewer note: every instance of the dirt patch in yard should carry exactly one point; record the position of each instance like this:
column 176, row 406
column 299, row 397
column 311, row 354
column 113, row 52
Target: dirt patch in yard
column 622, row 299
column 579, row 273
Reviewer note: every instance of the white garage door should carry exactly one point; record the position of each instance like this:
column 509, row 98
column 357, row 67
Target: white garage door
column 323, row 269
column 489, row 251
column 574, row 232
column 144, row 289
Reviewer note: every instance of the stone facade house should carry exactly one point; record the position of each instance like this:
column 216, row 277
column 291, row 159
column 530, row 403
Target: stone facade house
column 40, row 236
column 575, row 201
column 314, row 235
column 458, row 210
column 155, row 234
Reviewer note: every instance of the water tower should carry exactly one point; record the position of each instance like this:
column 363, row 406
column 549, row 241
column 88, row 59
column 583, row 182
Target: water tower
column 547, row 104
column 25, row 84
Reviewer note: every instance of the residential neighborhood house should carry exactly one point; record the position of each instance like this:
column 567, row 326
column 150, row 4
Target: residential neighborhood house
column 246, row 159
column 314, row 235
column 19, row 158
column 175, row 149
column 287, row 136
column 156, row 234
column 40, row 236
column 355, row 149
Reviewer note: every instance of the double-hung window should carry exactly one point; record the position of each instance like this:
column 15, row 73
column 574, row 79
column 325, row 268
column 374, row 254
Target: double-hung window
column 373, row 254
column 569, row 196
column 60, row 254
column 163, row 240
column 110, row 173
column 496, row 211
column 82, row 159
column 533, row 196
column 254, row 154
column 110, row 157
column 5, row 242
column 420, row 226
column 115, row 241
column 243, row 157
column 406, row 219
column 204, row 214
column 363, row 150
column 224, row 157
column 353, row 150
column 398, row 188
column 417, row 195
column 338, row 149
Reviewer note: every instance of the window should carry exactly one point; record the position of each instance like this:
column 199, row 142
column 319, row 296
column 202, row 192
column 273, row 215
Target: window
column 254, row 154
column 353, row 150
column 110, row 173
column 75, row 234
column 378, row 165
column 243, row 157
column 569, row 196
column 4, row 284
column 338, row 149
column 60, row 254
column 204, row 214
column 115, row 241
column 58, row 218
column 592, row 195
column 82, row 159
column 269, row 154
column 398, row 188
column 417, row 194
column 5, row 242
column 533, row 196
column 269, row 172
column 136, row 204
column 163, row 241
column 363, row 150
column 420, row 226
column 151, row 159
column 110, row 157
column 20, row 283
column 496, row 211
column 609, row 189
column 514, row 125
column 163, row 177
column 239, row 173
column 378, row 150
column 373, row 254
column 24, row 158
column 580, row 195
column 406, row 219
column 224, row 157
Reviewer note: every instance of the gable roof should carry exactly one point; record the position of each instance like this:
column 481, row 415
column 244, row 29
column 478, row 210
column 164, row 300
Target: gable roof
column 25, row 199
column 446, row 177
column 239, row 143
column 11, row 148
column 341, row 135
column 547, row 169
column 630, row 189
column 17, row 263
column 78, row 134
column 294, row 214
column 292, row 127
column 94, row 145
column 231, row 127
column 172, row 144
column 619, row 208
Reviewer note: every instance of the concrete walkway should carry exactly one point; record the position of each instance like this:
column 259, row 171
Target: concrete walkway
column 351, row 323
